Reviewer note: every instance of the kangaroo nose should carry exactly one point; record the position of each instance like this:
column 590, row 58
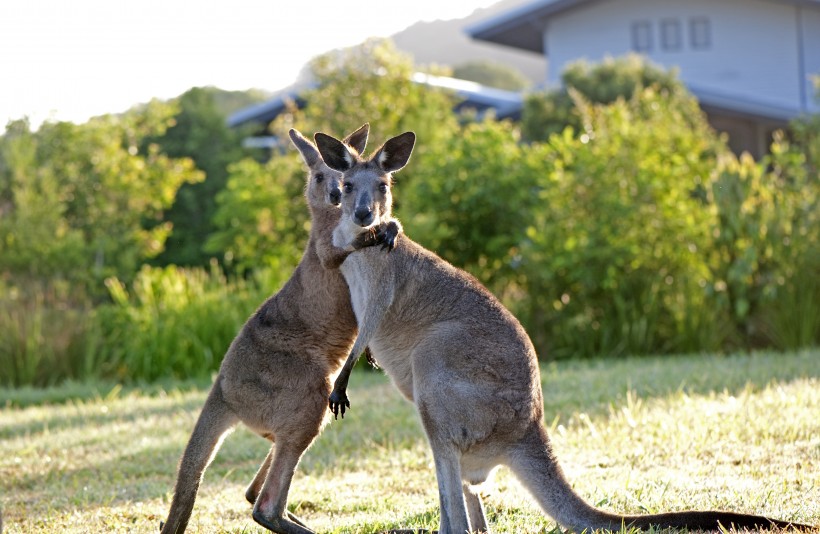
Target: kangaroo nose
column 335, row 196
column 363, row 214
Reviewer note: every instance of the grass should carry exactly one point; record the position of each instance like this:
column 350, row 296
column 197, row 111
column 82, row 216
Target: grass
column 636, row 435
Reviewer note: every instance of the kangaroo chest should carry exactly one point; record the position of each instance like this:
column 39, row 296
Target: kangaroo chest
column 372, row 291
column 354, row 269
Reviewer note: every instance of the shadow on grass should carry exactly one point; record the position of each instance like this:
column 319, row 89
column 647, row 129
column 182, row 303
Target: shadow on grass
column 55, row 422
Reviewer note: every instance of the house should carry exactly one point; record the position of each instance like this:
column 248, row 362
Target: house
column 470, row 96
column 749, row 62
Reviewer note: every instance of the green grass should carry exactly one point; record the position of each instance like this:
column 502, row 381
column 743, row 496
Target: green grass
column 633, row 435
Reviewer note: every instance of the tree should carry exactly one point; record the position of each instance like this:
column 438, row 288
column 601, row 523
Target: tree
column 199, row 131
column 615, row 259
column 82, row 202
column 549, row 112
column 470, row 198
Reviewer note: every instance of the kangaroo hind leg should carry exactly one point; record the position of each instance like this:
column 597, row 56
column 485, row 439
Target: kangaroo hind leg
column 475, row 510
column 215, row 419
column 255, row 486
column 270, row 509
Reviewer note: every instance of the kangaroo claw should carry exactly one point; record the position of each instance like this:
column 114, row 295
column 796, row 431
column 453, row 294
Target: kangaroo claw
column 338, row 402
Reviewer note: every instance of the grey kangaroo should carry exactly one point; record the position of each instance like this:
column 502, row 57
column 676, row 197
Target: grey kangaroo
column 465, row 361
column 276, row 375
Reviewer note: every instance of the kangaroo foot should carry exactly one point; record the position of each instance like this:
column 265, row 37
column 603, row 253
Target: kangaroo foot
column 280, row 525
column 296, row 520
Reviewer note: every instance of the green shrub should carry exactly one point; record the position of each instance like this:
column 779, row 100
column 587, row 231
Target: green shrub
column 549, row 112
column 47, row 336
column 615, row 257
column 173, row 322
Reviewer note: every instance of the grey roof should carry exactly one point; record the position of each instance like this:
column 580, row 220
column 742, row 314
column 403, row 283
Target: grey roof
column 471, row 95
column 266, row 111
column 523, row 27
column 710, row 99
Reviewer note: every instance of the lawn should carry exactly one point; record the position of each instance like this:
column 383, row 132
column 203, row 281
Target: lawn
column 738, row 432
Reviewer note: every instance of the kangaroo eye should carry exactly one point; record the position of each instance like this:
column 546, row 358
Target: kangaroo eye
column 383, row 188
column 348, row 187
column 320, row 178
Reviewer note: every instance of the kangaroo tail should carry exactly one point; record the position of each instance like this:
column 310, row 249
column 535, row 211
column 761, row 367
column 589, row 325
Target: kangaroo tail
column 534, row 463
column 214, row 422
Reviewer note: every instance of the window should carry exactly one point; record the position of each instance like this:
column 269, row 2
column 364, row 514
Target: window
column 700, row 33
column 642, row 36
column 671, row 35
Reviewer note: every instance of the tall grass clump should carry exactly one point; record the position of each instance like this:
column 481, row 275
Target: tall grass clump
column 46, row 335
column 173, row 322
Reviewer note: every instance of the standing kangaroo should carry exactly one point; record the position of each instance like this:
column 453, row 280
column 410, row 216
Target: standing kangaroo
column 465, row 361
column 276, row 375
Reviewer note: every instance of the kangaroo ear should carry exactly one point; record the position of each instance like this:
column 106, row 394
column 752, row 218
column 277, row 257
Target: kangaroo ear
column 334, row 152
column 395, row 153
column 358, row 139
column 308, row 150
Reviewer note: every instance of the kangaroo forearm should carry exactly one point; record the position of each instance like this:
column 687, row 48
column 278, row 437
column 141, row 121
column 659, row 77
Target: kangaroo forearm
column 332, row 257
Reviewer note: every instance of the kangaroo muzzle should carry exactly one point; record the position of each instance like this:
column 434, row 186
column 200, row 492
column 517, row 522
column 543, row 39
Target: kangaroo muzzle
column 363, row 212
column 335, row 196
column 363, row 216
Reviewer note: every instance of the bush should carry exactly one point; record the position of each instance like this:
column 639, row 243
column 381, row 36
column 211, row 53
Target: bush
column 615, row 259
column 549, row 112
column 47, row 335
column 173, row 322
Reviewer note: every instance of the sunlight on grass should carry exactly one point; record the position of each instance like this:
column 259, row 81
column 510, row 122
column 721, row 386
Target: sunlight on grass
column 641, row 435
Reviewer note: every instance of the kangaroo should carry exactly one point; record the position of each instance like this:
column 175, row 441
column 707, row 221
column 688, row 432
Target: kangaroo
column 276, row 374
column 463, row 359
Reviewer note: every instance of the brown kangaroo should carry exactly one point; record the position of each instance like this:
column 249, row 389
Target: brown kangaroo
column 465, row 361
column 276, row 375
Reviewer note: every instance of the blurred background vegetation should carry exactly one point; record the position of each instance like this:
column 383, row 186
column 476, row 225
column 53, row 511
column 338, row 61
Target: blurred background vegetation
column 611, row 219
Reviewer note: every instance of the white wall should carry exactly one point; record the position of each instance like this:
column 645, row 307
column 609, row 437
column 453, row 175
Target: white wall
column 753, row 54
column 811, row 53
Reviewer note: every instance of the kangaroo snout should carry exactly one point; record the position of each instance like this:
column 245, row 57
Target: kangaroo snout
column 363, row 216
column 335, row 196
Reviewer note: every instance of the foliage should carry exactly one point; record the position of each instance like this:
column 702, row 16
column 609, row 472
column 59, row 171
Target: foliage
column 766, row 245
column 549, row 112
column 372, row 83
column 83, row 202
column 470, row 198
column 200, row 132
column 262, row 219
column 632, row 231
column 48, row 335
column 172, row 322
column 614, row 260
column 492, row 74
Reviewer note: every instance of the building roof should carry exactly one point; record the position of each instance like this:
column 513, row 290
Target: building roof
column 471, row 95
column 523, row 27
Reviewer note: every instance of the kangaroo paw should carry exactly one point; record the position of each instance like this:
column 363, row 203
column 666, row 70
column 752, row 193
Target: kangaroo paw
column 386, row 236
column 338, row 402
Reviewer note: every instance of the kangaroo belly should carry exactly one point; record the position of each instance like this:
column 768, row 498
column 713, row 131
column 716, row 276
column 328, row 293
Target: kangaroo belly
column 396, row 362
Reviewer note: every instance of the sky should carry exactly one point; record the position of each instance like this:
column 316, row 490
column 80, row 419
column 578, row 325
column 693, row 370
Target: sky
column 71, row 60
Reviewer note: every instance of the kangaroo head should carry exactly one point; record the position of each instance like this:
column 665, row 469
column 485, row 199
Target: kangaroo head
column 323, row 186
column 366, row 198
